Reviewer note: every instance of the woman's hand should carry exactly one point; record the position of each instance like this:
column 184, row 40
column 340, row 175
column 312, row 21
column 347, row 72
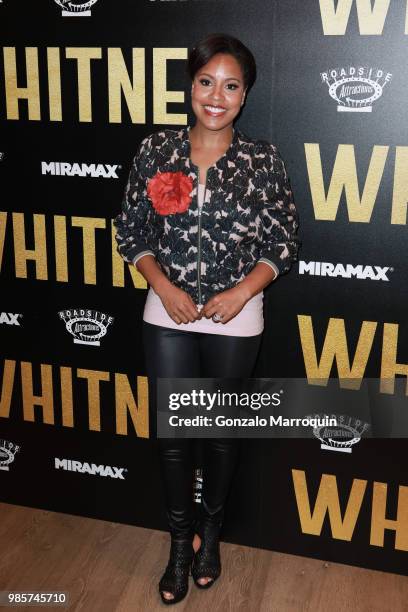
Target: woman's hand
column 178, row 304
column 227, row 304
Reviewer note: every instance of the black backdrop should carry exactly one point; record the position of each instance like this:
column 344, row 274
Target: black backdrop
column 94, row 404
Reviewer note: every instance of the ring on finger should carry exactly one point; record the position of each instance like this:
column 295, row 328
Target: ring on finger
column 217, row 317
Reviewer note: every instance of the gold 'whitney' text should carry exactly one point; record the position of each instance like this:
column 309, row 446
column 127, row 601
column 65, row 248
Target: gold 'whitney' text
column 47, row 402
column 120, row 85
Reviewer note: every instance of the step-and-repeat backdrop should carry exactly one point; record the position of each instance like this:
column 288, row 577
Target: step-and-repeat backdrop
column 81, row 83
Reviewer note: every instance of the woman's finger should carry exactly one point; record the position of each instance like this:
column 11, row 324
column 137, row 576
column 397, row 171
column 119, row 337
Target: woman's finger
column 215, row 308
column 191, row 311
column 181, row 315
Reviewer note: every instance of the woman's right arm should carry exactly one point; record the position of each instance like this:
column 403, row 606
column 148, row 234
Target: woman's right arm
column 137, row 235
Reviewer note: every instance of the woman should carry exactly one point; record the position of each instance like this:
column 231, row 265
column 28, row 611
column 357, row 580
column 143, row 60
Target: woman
column 208, row 219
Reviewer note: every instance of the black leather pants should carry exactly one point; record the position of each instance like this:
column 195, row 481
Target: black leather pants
column 173, row 353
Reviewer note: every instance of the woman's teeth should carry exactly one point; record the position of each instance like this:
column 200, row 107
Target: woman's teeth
column 215, row 110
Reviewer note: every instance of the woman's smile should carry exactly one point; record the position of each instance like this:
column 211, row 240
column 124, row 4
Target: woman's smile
column 214, row 111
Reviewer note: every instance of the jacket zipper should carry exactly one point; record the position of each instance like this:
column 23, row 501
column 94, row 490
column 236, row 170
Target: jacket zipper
column 199, row 237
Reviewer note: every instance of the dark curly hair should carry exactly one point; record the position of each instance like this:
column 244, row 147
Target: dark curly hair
column 212, row 44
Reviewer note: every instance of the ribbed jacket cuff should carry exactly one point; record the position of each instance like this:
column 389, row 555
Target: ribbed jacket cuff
column 270, row 263
column 142, row 254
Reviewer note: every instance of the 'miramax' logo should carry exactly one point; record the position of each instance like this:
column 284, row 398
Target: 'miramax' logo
column 89, row 468
column 10, row 318
column 324, row 268
column 84, row 170
column 355, row 88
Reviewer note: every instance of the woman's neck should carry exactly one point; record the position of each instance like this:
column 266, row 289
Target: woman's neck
column 202, row 138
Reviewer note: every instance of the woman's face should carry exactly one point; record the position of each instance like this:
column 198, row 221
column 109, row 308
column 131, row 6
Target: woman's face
column 218, row 92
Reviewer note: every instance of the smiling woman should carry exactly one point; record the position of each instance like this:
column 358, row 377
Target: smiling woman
column 209, row 220
column 217, row 94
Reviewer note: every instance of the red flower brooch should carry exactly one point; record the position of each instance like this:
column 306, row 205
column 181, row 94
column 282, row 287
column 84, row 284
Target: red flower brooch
column 170, row 192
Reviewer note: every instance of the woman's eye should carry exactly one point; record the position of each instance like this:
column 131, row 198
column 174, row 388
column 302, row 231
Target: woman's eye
column 231, row 86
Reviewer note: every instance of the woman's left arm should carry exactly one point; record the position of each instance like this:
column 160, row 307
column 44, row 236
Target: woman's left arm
column 279, row 242
column 280, row 222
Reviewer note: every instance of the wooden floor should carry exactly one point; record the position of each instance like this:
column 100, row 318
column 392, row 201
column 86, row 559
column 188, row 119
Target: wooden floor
column 113, row 567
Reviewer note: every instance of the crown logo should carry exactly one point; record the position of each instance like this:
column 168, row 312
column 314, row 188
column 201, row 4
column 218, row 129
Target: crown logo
column 86, row 325
column 355, row 88
column 8, row 451
column 76, row 8
column 342, row 437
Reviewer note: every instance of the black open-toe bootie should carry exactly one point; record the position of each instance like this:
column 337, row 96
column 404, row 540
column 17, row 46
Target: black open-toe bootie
column 176, row 464
column 175, row 577
column 220, row 457
column 207, row 560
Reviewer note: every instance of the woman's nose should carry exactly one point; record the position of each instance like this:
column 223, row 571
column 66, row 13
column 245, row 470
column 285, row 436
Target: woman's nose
column 217, row 93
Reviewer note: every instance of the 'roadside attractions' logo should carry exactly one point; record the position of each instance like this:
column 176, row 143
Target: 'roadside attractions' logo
column 86, row 325
column 341, row 438
column 355, row 88
column 8, row 451
column 76, row 8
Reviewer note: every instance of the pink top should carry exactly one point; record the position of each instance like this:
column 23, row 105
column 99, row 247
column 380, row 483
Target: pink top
column 248, row 322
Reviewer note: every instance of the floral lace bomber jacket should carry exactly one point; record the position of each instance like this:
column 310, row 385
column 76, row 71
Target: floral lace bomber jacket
column 249, row 216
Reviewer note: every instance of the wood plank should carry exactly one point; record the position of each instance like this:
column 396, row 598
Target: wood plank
column 111, row 567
